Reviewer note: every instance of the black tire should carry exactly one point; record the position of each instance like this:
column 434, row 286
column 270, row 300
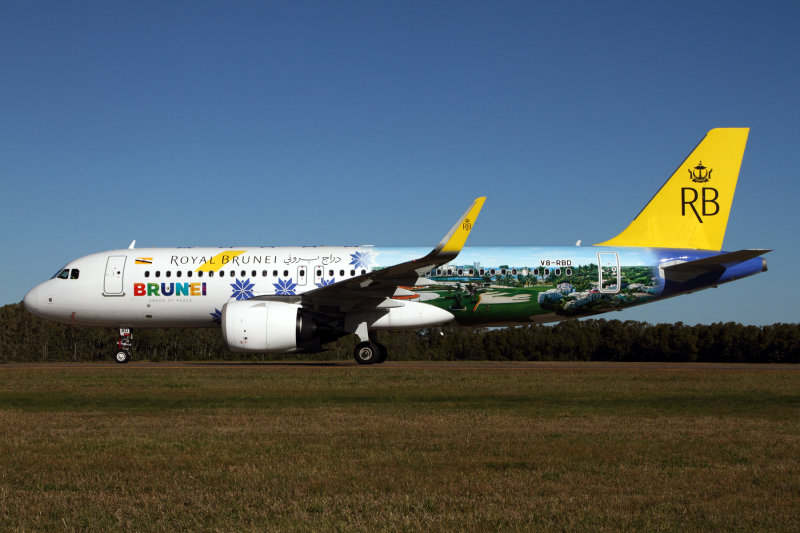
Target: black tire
column 366, row 353
column 382, row 353
column 122, row 356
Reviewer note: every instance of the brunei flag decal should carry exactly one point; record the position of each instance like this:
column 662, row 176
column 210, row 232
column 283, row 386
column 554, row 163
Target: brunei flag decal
column 144, row 261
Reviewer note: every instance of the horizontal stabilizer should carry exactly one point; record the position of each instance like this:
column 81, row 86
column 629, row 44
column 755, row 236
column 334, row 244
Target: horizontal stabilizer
column 685, row 270
column 722, row 260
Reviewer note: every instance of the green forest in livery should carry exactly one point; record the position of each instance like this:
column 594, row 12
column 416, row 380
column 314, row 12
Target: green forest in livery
column 530, row 294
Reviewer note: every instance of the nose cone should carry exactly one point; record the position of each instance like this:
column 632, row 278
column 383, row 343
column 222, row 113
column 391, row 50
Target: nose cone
column 31, row 301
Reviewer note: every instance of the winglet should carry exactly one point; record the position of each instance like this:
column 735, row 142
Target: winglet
column 457, row 236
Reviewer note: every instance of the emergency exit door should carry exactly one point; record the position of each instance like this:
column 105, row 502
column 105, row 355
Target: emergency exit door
column 608, row 266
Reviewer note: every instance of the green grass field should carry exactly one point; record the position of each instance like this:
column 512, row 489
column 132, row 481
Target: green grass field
column 398, row 447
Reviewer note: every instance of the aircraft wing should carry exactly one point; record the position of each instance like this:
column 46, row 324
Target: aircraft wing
column 373, row 288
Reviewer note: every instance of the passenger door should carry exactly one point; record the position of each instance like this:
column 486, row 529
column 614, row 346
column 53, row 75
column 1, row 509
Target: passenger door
column 115, row 270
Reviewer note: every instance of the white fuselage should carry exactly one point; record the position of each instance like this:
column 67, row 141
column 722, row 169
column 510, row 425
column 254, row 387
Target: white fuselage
column 188, row 287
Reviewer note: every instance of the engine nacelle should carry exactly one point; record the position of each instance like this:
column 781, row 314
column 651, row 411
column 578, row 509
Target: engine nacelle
column 265, row 326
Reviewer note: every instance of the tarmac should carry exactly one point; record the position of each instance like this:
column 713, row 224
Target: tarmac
column 531, row 366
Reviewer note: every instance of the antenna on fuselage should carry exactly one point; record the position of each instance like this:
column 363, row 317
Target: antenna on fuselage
column 133, row 244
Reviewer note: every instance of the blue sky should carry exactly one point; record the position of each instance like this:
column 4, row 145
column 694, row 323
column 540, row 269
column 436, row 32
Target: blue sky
column 250, row 123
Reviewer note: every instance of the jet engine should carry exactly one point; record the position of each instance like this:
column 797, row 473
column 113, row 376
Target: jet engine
column 267, row 326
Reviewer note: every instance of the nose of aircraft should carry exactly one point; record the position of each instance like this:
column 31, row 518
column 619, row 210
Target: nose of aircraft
column 31, row 300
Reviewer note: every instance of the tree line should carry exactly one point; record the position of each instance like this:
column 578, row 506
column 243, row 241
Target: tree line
column 24, row 337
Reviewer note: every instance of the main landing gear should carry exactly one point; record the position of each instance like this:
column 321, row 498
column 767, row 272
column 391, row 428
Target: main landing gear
column 370, row 352
column 123, row 354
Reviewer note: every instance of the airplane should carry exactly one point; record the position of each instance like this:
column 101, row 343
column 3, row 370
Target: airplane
column 297, row 299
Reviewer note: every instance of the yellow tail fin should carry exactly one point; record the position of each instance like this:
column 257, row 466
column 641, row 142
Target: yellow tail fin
column 691, row 209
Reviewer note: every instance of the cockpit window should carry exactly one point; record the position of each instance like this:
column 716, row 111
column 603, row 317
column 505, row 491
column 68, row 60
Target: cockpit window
column 62, row 274
column 75, row 273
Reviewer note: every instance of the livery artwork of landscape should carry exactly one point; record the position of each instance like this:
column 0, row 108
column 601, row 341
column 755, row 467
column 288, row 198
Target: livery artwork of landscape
column 547, row 284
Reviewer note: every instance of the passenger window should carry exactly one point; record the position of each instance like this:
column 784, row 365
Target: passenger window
column 244, row 273
column 352, row 272
column 221, row 273
column 341, row 273
column 264, row 273
column 363, row 271
column 254, row 273
column 569, row 272
column 274, row 273
column 232, row 273
column 169, row 273
column 178, row 273
column 285, row 273
column 75, row 273
column 319, row 273
column 158, row 273
column 210, row 274
column 188, row 273
column 330, row 273
column 200, row 274
column 147, row 273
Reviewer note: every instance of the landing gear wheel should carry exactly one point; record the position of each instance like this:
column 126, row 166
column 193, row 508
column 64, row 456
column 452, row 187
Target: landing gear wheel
column 122, row 356
column 367, row 353
column 381, row 353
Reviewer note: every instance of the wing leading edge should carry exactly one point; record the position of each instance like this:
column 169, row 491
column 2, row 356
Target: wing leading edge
column 373, row 288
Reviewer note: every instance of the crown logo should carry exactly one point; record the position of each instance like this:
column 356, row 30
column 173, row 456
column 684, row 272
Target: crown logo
column 700, row 173
column 467, row 225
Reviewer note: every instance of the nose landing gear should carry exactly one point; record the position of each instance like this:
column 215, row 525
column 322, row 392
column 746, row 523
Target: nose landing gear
column 123, row 354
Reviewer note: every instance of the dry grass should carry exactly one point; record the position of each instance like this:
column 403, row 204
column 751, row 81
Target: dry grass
column 348, row 448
